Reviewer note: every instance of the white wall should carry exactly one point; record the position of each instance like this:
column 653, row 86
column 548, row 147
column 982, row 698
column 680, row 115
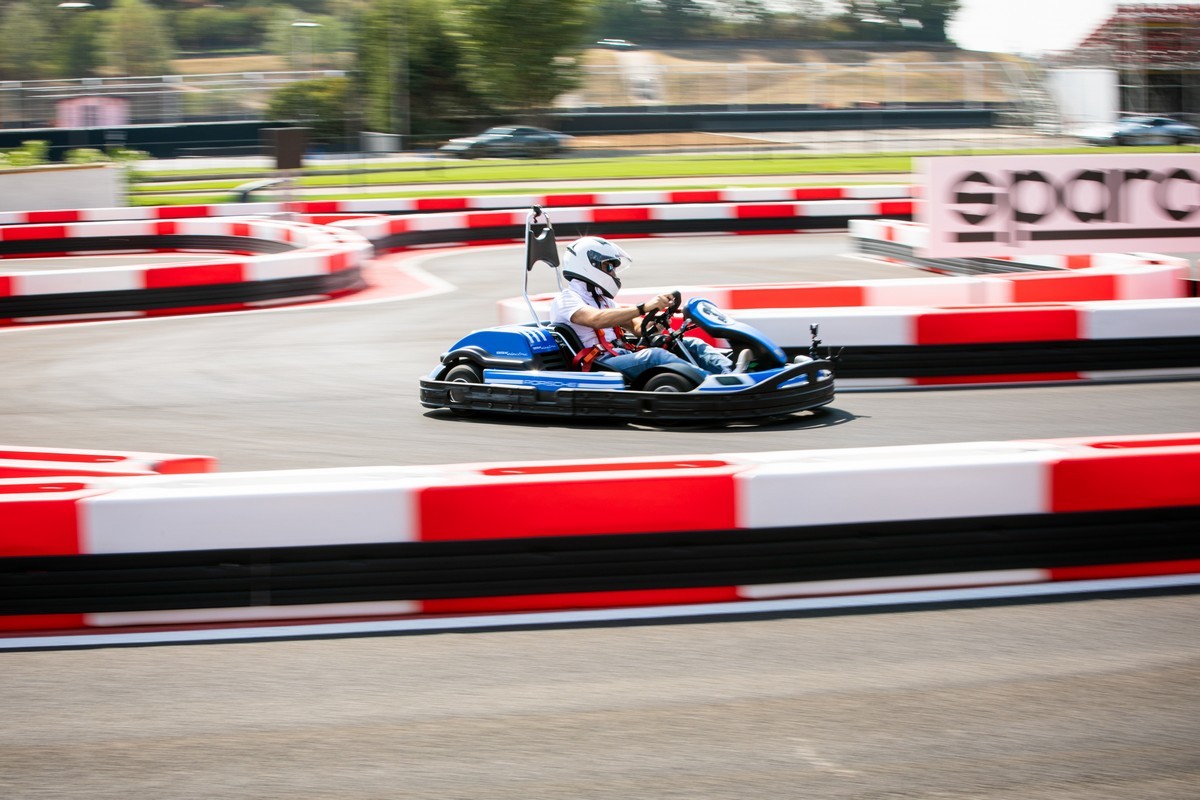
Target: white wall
column 58, row 186
column 1086, row 97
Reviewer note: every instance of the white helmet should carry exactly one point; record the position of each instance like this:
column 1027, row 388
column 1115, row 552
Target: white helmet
column 596, row 262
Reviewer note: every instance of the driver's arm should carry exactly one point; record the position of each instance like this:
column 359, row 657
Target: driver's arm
column 622, row 315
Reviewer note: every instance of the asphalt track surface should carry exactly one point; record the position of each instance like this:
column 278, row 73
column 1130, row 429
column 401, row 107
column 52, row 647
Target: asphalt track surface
column 1089, row 698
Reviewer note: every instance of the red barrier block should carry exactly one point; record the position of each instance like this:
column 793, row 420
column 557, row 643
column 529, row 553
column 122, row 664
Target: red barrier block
column 25, row 233
column 796, row 296
column 47, row 217
column 40, row 518
column 889, row 208
column 1057, row 288
column 183, row 212
column 168, row 277
column 1139, row 570
column 568, row 200
column 695, row 196
column 1123, row 474
column 984, row 324
column 18, row 462
column 564, row 601
column 602, row 214
column 42, row 622
column 1006, row 377
column 322, row 207
column 442, row 203
column 613, row 504
column 819, row 193
column 493, row 219
column 765, row 211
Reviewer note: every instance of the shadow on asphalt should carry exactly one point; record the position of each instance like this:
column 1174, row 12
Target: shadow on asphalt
column 825, row 417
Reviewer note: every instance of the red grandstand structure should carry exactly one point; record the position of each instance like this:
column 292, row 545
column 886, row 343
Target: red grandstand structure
column 1155, row 49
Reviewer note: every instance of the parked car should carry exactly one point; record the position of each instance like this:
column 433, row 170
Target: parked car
column 1143, row 130
column 507, row 142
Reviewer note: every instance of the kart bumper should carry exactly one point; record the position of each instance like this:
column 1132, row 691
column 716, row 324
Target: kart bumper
column 765, row 400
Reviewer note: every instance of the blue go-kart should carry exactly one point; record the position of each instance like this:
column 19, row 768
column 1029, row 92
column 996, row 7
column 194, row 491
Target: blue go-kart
column 527, row 370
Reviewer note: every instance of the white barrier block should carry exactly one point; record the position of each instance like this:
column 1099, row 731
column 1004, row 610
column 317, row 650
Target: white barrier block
column 1152, row 281
column 1137, row 319
column 647, row 198
column 840, row 327
column 106, row 279
column 121, row 227
column 837, row 208
column 761, row 194
column 241, row 510
column 879, row 192
column 697, row 211
column 296, row 264
column 505, row 201
column 572, row 215
column 900, row 483
column 951, row 291
column 867, row 229
column 110, row 214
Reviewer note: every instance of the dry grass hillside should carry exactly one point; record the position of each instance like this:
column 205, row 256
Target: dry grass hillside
column 733, row 75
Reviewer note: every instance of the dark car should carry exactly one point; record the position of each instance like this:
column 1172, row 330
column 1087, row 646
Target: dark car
column 507, row 142
column 1143, row 130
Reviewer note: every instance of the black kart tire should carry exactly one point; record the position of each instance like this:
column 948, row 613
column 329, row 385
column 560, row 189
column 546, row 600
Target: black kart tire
column 464, row 373
column 668, row 382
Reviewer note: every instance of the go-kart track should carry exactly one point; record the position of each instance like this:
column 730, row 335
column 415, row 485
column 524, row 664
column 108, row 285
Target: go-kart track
column 918, row 690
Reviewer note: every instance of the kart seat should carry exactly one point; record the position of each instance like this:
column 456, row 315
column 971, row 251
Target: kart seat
column 568, row 337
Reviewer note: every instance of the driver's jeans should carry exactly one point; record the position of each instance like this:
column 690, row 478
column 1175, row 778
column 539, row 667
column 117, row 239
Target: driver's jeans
column 632, row 364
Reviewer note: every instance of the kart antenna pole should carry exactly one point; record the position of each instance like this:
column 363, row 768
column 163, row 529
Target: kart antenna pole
column 539, row 247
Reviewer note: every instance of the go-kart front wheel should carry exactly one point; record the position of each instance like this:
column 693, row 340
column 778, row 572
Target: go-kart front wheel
column 462, row 373
column 668, row 382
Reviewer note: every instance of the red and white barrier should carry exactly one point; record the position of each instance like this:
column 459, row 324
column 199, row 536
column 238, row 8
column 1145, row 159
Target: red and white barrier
column 400, row 205
column 29, row 462
column 97, row 515
column 314, row 250
column 379, row 228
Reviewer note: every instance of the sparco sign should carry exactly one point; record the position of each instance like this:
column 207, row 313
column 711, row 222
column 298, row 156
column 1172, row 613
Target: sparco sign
column 1045, row 205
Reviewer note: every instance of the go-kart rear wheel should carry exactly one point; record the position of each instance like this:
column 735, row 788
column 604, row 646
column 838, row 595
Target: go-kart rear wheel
column 668, row 382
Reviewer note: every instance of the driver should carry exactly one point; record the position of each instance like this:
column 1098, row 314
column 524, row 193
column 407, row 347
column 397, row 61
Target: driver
column 587, row 303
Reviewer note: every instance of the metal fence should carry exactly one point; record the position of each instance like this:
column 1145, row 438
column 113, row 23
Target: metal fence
column 163, row 99
column 822, row 84
column 636, row 85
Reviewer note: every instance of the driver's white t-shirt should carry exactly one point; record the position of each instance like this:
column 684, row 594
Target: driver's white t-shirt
column 574, row 297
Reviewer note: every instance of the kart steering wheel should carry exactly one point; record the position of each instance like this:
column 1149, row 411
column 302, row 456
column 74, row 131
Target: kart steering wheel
column 657, row 323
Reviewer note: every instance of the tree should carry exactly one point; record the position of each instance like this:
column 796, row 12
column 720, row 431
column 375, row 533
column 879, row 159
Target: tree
column 212, row 28
column 26, row 49
column 410, row 69
column 322, row 105
column 620, row 19
column 933, row 16
column 682, row 18
column 520, row 54
column 912, row 20
column 136, row 39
